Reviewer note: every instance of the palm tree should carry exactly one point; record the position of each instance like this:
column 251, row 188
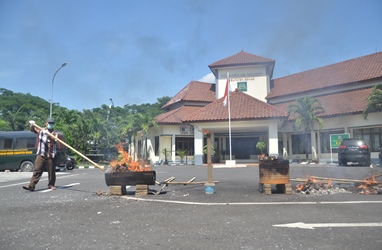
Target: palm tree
column 305, row 111
column 146, row 121
column 374, row 100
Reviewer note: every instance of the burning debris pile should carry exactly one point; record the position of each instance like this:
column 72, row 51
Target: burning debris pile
column 370, row 186
column 321, row 186
column 314, row 187
column 125, row 163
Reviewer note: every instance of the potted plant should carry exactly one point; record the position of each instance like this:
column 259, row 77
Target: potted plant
column 165, row 152
column 182, row 153
column 260, row 145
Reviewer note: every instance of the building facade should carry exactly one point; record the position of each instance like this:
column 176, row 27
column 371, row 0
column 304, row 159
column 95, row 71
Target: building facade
column 258, row 111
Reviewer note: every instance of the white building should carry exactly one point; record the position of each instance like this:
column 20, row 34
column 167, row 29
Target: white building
column 258, row 111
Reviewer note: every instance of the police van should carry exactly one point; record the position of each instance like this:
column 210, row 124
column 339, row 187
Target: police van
column 18, row 152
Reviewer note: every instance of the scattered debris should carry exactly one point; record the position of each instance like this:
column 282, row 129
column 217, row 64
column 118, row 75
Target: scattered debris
column 164, row 184
column 322, row 185
column 100, row 192
column 370, row 186
column 314, row 187
column 170, row 180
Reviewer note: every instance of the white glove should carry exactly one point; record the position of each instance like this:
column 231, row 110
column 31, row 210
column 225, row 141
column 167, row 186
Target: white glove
column 31, row 122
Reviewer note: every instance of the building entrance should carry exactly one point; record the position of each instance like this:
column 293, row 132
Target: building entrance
column 243, row 148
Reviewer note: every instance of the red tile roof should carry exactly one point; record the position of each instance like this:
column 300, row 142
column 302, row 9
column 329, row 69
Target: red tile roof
column 176, row 116
column 350, row 71
column 243, row 107
column 194, row 92
column 240, row 58
column 340, row 103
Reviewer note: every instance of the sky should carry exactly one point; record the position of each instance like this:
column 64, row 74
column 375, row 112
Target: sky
column 136, row 51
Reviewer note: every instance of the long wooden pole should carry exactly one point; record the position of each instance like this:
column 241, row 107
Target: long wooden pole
column 79, row 153
column 209, row 165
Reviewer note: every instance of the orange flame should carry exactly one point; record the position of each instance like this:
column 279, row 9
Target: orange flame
column 125, row 161
column 368, row 186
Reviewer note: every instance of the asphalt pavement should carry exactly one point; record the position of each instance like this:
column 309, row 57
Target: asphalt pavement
column 81, row 215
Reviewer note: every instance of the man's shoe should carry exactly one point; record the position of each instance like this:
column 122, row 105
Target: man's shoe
column 52, row 187
column 28, row 188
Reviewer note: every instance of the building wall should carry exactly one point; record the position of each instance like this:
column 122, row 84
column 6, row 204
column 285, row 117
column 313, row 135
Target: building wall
column 345, row 123
column 255, row 79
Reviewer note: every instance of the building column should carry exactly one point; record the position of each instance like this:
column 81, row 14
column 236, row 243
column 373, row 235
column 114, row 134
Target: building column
column 290, row 151
column 173, row 147
column 198, row 146
column 273, row 139
column 313, row 144
column 285, row 145
column 318, row 144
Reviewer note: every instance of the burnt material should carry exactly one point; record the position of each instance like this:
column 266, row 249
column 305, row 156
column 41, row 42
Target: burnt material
column 130, row 178
column 274, row 172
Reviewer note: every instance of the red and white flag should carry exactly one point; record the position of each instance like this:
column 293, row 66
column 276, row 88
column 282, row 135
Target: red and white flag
column 227, row 91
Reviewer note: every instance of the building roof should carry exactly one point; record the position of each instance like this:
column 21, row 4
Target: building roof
column 201, row 105
column 177, row 115
column 193, row 92
column 355, row 70
column 349, row 102
column 243, row 107
column 241, row 59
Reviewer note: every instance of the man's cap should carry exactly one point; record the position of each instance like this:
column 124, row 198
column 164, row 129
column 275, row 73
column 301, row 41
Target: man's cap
column 50, row 120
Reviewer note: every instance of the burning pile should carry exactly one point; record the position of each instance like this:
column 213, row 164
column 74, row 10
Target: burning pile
column 312, row 186
column 125, row 163
column 370, row 186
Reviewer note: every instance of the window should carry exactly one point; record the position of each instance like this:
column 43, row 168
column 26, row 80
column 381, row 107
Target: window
column 6, row 143
column 301, row 143
column 139, row 153
column 325, row 141
column 185, row 143
column 372, row 136
column 25, row 143
column 156, row 145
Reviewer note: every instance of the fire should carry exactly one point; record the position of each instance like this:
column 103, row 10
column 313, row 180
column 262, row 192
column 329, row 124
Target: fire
column 312, row 185
column 304, row 186
column 369, row 186
column 124, row 162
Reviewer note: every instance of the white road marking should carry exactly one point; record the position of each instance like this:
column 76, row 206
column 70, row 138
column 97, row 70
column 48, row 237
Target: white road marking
column 303, row 225
column 42, row 179
column 61, row 187
column 251, row 203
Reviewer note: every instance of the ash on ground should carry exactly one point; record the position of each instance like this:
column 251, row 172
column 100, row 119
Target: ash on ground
column 318, row 188
column 322, row 189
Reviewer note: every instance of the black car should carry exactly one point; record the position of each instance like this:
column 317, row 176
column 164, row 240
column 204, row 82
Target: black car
column 355, row 151
column 65, row 162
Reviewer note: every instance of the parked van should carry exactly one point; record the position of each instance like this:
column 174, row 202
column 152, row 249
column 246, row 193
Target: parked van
column 18, row 151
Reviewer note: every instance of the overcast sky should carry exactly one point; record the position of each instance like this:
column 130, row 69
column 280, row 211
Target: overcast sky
column 137, row 51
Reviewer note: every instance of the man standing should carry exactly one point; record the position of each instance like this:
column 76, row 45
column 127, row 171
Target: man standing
column 46, row 155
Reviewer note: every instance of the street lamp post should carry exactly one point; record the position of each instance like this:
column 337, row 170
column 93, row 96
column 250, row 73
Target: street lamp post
column 51, row 96
column 110, row 107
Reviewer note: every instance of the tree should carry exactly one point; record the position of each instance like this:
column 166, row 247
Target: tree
column 182, row 153
column 260, row 145
column 165, row 152
column 305, row 111
column 374, row 101
column 81, row 127
column 16, row 109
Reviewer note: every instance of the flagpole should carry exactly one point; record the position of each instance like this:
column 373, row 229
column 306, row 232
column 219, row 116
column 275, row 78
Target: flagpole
column 229, row 122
